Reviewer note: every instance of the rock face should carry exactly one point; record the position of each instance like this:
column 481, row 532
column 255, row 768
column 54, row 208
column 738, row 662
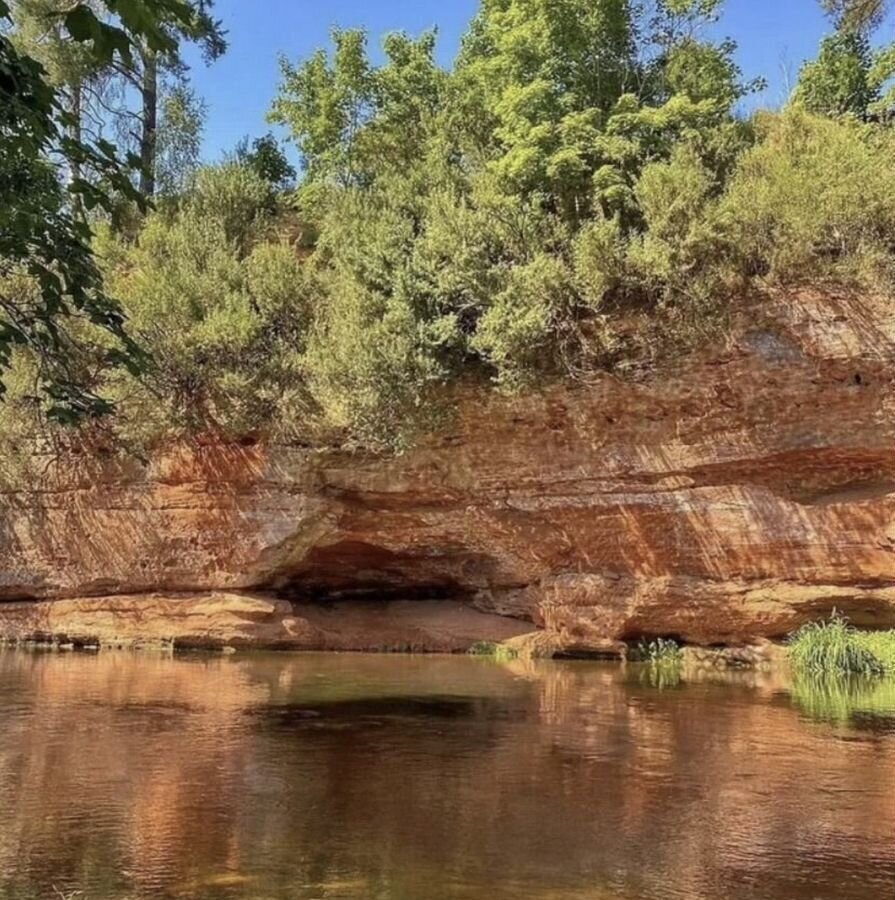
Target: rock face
column 729, row 500
column 217, row 619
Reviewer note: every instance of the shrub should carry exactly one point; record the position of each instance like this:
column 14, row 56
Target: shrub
column 814, row 198
column 371, row 364
column 378, row 346
column 599, row 252
column 498, row 652
column 224, row 321
column 233, row 196
column 658, row 652
column 522, row 329
column 835, row 648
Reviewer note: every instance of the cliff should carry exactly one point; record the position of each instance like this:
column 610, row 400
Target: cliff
column 730, row 499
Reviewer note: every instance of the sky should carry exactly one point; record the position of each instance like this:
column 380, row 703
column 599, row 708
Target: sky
column 774, row 38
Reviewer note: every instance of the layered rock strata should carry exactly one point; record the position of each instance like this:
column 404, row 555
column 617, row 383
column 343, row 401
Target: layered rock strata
column 729, row 500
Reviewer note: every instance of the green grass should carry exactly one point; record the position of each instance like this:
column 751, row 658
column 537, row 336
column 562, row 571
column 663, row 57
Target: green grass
column 660, row 651
column 834, row 647
column 493, row 651
column 663, row 660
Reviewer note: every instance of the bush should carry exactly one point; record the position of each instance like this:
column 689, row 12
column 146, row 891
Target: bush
column 371, row 365
column 379, row 346
column 599, row 252
column 497, row 652
column 814, row 198
column 234, row 197
column 223, row 321
column 835, row 648
column 522, row 329
column 658, row 652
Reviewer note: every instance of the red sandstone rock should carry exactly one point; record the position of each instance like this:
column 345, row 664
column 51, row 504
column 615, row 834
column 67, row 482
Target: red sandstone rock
column 219, row 619
column 731, row 499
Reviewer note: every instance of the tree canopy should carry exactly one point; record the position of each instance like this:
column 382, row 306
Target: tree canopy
column 579, row 192
column 56, row 171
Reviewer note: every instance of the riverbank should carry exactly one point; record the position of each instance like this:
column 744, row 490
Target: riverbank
column 222, row 621
column 724, row 502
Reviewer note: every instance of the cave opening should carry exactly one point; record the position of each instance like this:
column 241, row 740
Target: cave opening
column 355, row 570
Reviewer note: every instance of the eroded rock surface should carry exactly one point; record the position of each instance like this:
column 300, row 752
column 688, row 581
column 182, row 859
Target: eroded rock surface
column 217, row 619
column 729, row 500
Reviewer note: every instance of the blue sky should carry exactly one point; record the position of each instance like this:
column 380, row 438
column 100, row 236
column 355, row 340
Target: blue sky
column 774, row 37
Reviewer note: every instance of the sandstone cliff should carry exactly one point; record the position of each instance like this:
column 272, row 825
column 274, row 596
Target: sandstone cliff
column 731, row 499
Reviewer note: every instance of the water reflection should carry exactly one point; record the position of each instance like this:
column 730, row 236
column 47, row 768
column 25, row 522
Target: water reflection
column 852, row 700
column 370, row 777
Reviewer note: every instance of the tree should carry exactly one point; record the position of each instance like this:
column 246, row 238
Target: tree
column 578, row 95
column 40, row 235
column 100, row 94
column 71, row 67
column 352, row 121
column 265, row 158
column 857, row 15
column 839, row 82
column 179, row 141
column 148, row 70
column 547, row 76
column 850, row 76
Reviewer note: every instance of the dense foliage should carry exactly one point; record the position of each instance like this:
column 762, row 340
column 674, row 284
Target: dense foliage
column 49, row 282
column 579, row 192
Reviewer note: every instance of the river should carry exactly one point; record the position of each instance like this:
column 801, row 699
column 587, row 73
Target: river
column 265, row 777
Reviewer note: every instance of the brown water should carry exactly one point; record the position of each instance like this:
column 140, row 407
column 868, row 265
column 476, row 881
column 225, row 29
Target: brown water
column 133, row 776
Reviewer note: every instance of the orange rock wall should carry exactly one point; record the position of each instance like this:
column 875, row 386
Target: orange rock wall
column 741, row 494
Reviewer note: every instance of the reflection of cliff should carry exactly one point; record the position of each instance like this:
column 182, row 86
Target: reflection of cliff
column 736, row 496
column 729, row 784
column 406, row 778
column 111, row 765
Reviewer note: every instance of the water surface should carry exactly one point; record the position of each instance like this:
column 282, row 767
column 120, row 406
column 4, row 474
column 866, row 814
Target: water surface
column 399, row 778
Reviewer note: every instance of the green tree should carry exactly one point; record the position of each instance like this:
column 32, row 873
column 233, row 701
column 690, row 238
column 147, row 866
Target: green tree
column 857, row 15
column 179, row 142
column 580, row 94
column 100, row 94
column 153, row 74
column 266, row 158
column 352, row 121
column 71, row 67
column 447, row 203
column 40, row 235
column 546, row 77
column 842, row 80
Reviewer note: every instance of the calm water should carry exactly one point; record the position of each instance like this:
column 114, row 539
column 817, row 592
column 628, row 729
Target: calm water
column 132, row 776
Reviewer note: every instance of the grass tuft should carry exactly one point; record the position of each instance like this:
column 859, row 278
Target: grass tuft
column 834, row 647
column 661, row 651
column 493, row 650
